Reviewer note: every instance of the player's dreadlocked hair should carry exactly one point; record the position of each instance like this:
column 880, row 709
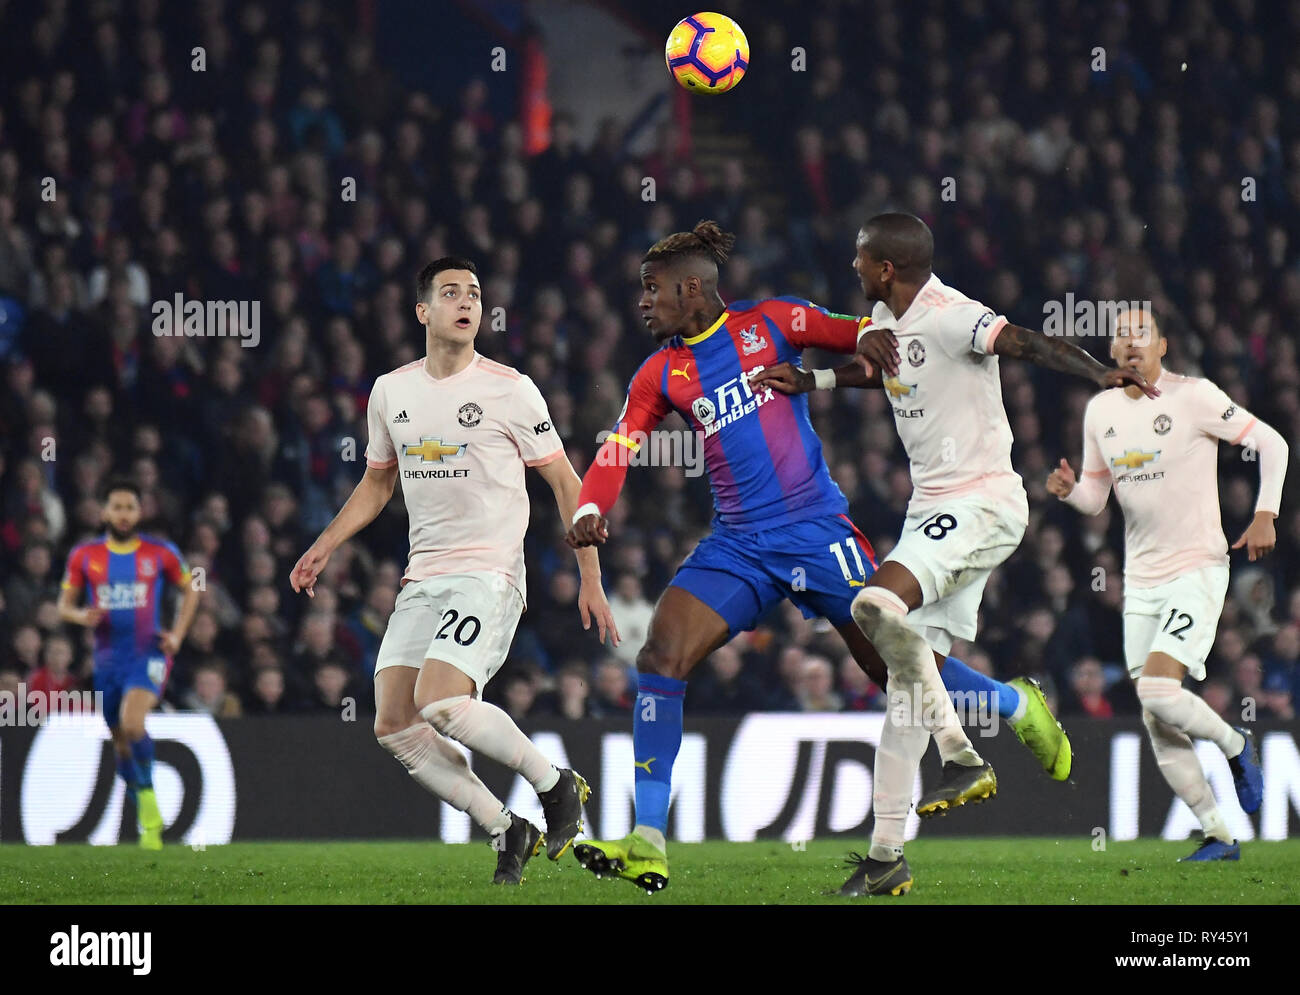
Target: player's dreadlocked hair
column 706, row 240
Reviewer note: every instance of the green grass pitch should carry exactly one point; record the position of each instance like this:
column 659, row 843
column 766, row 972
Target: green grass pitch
column 946, row 871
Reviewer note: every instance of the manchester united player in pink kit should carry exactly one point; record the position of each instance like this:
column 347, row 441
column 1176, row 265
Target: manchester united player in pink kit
column 1161, row 459
column 459, row 430
column 967, row 513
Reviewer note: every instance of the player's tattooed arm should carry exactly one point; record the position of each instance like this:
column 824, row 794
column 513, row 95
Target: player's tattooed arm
column 1065, row 357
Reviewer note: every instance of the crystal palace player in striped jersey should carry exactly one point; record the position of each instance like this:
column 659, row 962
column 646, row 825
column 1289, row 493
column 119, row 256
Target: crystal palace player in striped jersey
column 781, row 529
column 123, row 574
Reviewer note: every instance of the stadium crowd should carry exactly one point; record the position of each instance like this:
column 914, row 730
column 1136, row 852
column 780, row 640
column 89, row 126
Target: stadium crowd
column 1172, row 175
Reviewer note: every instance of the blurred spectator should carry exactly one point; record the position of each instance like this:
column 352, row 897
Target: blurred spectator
column 632, row 614
column 267, row 693
column 34, row 584
column 211, row 694
column 817, row 686
column 573, row 692
column 612, row 695
column 721, row 685
column 783, row 694
column 1088, row 684
column 519, row 694
column 1218, row 695
column 330, row 685
column 55, row 678
column 858, row 691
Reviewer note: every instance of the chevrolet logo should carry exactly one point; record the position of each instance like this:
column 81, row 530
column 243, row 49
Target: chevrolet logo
column 857, row 583
column 1134, row 458
column 433, row 450
column 682, row 372
column 896, row 388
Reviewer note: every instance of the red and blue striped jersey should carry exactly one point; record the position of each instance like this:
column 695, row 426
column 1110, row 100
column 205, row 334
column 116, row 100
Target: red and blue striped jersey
column 126, row 581
column 763, row 457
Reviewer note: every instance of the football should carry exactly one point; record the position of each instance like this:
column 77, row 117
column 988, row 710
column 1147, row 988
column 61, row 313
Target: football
column 707, row 53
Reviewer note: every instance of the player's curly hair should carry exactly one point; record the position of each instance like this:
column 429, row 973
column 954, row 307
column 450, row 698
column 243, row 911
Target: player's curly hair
column 706, row 240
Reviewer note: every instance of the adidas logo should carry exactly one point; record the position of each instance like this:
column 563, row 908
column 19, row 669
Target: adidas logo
column 1110, row 433
column 401, row 419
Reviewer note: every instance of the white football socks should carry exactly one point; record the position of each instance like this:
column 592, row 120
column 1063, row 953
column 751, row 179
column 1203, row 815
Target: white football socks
column 1176, row 757
column 443, row 771
column 486, row 729
column 880, row 614
column 1170, row 702
column 902, row 745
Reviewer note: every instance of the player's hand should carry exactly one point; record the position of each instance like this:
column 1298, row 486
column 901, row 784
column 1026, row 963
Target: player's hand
column 784, row 378
column 592, row 604
column 880, row 349
column 1127, row 378
column 91, row 617
column 590, row 530
column 1061, row 481
column 307, row 569
column 1259, row 538
column 169, row 642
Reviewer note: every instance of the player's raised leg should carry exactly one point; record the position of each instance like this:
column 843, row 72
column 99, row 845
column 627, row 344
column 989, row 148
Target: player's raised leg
column 880, row 610
column 683, row 631
column 1019, row 702
column 135, row 758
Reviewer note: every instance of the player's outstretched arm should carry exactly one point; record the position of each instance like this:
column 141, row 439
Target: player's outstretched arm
column 1056, row 353
column 368, row 499
column 566, row 485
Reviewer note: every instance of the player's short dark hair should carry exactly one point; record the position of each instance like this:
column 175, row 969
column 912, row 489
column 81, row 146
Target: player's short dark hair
column 424, row 282
column 902, row 239
column 706, row 240
column 115, row 484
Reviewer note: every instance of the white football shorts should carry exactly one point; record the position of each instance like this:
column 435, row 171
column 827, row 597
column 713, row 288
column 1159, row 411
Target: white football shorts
column 467, row 620
column 951, row 547
column 1179, row 618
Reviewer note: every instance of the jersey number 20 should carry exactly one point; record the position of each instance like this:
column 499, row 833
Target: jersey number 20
column 462, row 633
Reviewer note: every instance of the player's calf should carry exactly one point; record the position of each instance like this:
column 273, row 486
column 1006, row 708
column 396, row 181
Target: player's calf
column 488, row 730
column 442, row 770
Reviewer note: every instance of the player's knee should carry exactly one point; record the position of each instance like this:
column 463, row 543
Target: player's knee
column 448, row 715
column 654, row 658
column 386, row 725
column 1157, row 694
column 874, row 604
column 408, row 744
column 132, row 729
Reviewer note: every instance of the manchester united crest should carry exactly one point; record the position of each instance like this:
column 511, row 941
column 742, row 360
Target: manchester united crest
column 470, row 414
